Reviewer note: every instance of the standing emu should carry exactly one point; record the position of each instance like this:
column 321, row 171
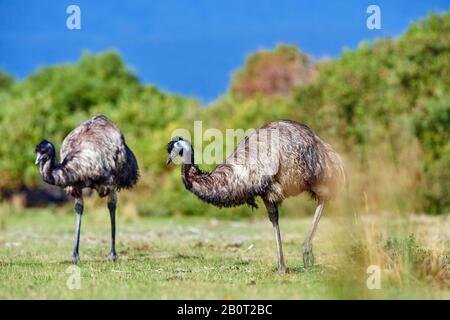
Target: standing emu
column 95, row 156
column 281, row 159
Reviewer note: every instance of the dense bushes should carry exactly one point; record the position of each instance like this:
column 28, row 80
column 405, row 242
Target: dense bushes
column 6, row 81
column 273, row 73
column 385, row 97
column 385, row 105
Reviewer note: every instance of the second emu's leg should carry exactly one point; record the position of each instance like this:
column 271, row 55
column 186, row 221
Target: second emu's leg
column 272, row 210
column 308, row 257
column 112, row 202
column 79, row 212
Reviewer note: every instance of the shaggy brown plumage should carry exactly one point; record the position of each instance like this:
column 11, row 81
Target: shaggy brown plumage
column 281, row 159
column 94, row 155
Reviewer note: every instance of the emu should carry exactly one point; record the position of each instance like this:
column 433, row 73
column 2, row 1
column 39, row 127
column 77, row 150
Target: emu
column 281, row 159
column 94, row 155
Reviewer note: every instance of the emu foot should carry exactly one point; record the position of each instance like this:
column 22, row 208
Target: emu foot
column 283, row 270
column 308, row 257
column 75, row 258
column 113, row 257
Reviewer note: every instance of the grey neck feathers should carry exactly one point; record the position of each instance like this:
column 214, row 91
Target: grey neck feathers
column 51, row 172
column 189, row 171
column 215, row 187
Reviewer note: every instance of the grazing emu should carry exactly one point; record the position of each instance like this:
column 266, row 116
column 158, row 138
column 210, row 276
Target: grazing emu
column 281, row 159
column 94, row 155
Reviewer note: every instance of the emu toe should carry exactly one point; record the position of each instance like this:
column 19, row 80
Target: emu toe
column 113, row 257
column 282, row 270
column 75, row 258
column 308, row 257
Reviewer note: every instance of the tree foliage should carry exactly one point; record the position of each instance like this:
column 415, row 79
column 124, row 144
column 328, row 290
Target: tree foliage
column 273, row 73
column 6, row 81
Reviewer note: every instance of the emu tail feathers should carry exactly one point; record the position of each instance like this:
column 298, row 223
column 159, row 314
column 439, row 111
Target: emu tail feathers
column 129, row 173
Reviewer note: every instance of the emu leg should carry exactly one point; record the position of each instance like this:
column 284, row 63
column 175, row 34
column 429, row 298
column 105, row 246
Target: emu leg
column 112, row 201
column 79, row 212
column 308, row 257
column 272, row 210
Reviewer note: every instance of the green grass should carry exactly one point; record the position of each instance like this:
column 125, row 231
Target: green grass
column 202, row 258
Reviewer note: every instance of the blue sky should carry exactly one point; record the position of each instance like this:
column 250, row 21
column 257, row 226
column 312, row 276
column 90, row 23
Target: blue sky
column 190, row 47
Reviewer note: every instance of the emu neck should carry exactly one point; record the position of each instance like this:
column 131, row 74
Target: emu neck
column 46, row 168
column 189, row 171
column 213, row 187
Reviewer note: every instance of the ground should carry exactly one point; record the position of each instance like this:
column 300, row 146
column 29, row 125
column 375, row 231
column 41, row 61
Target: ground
column 210, row 258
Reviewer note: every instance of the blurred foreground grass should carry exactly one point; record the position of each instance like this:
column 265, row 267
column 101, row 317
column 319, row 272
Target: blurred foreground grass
column 205, row 258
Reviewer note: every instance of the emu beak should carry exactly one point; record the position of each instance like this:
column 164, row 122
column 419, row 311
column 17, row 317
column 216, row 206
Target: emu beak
column 38, row 158
column 169, row 160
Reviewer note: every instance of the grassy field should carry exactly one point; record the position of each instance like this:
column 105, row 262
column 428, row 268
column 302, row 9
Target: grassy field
column 208, row 258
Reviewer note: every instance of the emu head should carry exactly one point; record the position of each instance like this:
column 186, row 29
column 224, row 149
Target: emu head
column 180, row 147
column 44, row 151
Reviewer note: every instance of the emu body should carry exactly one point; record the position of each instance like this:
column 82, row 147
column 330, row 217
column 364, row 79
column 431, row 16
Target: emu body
column 94, row 155
column 279, row 160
